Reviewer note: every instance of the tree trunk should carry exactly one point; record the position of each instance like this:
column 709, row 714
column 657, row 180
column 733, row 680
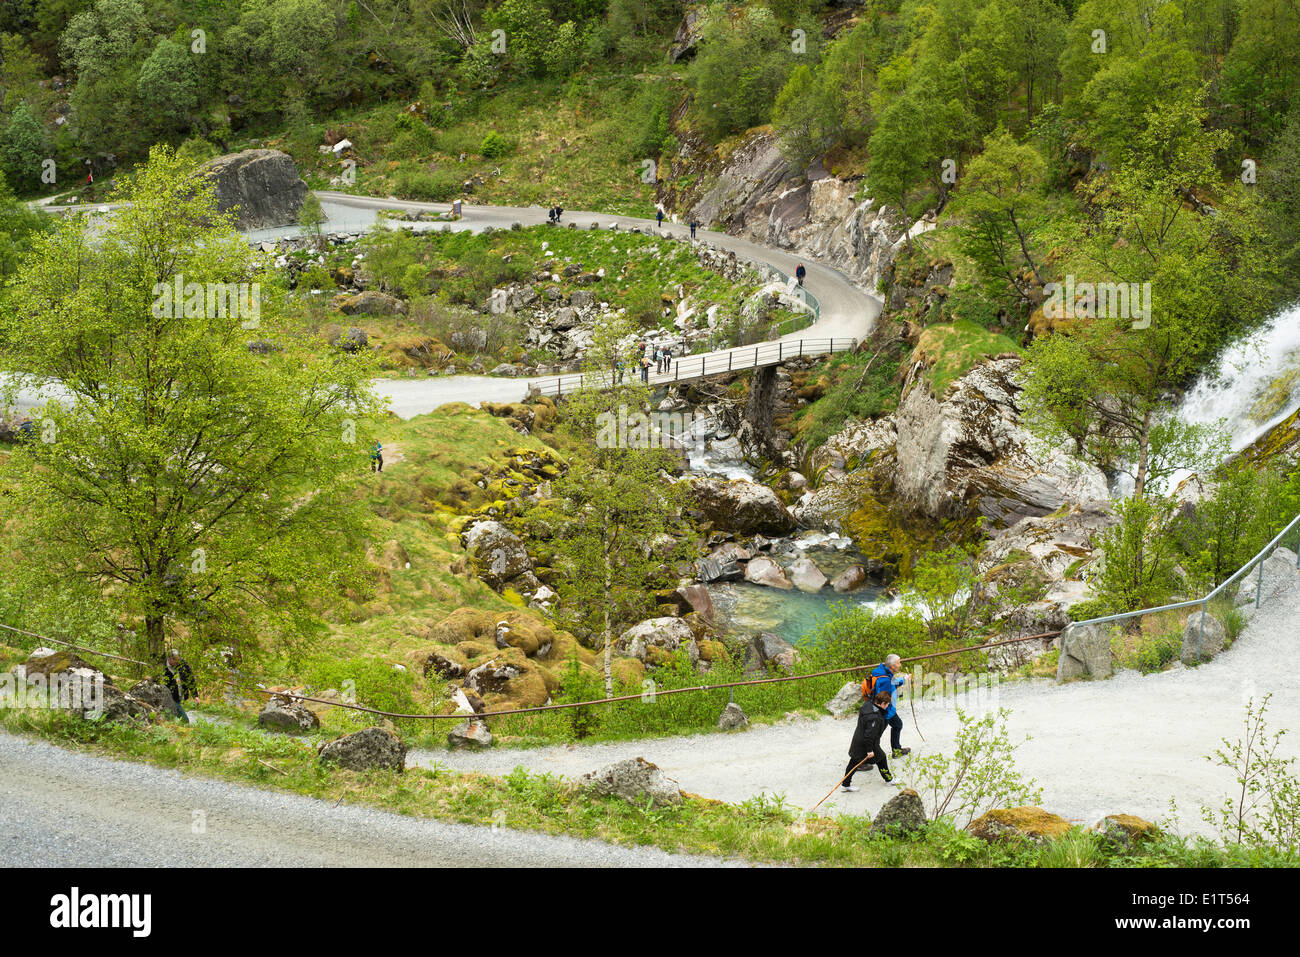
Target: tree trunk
column 609, row 641
column 155, row 637
column 1144, row 452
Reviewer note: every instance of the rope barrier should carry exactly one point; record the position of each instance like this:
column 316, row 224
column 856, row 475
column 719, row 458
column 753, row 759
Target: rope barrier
column 558, row 707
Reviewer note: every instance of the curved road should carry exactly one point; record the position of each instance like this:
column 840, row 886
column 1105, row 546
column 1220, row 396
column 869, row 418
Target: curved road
column 847, row 311
column 62, row 808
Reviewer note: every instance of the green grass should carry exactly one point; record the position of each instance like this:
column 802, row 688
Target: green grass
column 950, row 351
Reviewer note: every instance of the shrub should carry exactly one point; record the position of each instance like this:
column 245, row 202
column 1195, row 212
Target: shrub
column 495, row 145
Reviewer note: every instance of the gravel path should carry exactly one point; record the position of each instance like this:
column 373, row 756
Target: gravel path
column 1127, row 744
column 62, row 808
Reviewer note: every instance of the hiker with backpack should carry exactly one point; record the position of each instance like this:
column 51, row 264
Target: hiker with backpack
column 800, row 273
column 865, row 748
column 885, row 677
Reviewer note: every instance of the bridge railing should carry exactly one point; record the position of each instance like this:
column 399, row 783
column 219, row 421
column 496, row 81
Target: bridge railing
column 688, row 368
column 1237, row 591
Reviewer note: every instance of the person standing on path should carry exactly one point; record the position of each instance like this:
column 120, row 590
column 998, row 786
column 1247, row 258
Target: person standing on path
column 179, row 679
column 885, row 677
column 645, row 369
column 694, row 223
column 659, row 217
column 799, row 273
column 865, row 746
column 377, row 457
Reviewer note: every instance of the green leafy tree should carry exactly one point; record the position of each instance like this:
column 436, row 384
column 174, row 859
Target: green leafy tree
column 1002, row 201
column 24, row 148
column 1138, row 570
column 168, row 84
column 178, row 478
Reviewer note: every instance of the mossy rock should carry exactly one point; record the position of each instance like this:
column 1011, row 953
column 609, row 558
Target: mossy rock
column 628, row 671
column 1125, row 830
column 712, row 650
column 1019, row 824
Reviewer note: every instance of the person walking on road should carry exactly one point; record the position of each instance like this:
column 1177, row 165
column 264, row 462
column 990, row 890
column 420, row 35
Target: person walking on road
column 799, row 273
column 694, row 223
column 885, row 677
column 865, row 748
column 179, row 679
column 659, row 218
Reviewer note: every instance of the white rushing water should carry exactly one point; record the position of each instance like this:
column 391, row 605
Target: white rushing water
column 1255, row 385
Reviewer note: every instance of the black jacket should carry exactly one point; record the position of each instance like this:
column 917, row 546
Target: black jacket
column 866, row 737
column 180, row 682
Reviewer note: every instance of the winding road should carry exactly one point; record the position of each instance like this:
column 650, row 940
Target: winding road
column 847, row 311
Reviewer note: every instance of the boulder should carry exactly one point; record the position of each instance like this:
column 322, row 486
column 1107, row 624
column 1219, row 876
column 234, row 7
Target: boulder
column 117, row 706
column 369, row 303
column 46, row 661
column 855, row 443
column 1054, row 543
column 766, row 652
column 902, row 814
column 1012, row 825
column 364, row 750
column 636, row 781
column 1279, row 573
column 499, row 552
column 746, row 508
column 697, row 598
column 732, row 718
column 1202, row 640
column 1085, row 650
column 855, row 576
column 261, row 186
column 764, row 571
column 154, row 694
column 469, row 734
column 710, row 570
column 848, row 700
column 653, row 640
column 1123, row 831
column 806, row 576
column 282, row 715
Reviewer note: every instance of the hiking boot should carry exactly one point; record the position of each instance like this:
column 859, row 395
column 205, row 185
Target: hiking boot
column 850, row 788
column 899, row 752
column 887, row 776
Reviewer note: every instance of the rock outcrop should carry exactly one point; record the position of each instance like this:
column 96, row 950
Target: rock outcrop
column 261, row 186
column 966, row 453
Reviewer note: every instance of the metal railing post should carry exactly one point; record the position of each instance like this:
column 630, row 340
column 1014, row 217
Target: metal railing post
column 1200, row 633
column 1259, row 585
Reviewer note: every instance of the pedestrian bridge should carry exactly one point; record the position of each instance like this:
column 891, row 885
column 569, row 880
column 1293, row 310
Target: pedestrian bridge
column 692, row 368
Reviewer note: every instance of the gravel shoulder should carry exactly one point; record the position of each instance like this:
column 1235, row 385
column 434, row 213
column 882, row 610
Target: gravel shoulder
column 1127, row 744
column 61, row 808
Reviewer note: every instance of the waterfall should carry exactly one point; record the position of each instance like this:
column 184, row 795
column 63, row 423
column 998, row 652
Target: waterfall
column 1255, row 384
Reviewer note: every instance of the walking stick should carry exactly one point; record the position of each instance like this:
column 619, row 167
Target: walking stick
column 911, row 703
column 841, row 781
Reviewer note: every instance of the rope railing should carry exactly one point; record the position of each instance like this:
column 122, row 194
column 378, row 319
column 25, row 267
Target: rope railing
column 689, row 368
column 461, row 715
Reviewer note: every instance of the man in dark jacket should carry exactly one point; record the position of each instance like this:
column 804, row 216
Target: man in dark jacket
column 179, row 679
column 865, row 747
